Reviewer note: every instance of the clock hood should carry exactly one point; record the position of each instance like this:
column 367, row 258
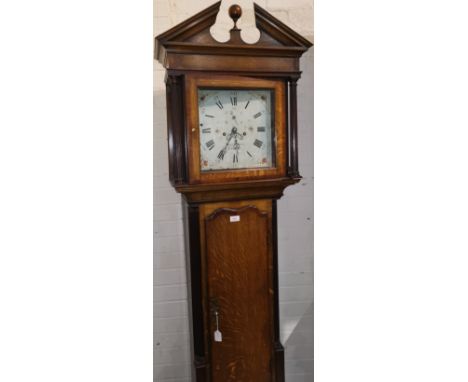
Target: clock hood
column 188, row 45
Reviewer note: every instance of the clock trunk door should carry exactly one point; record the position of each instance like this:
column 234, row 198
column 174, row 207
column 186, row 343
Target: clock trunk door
column 239, row 286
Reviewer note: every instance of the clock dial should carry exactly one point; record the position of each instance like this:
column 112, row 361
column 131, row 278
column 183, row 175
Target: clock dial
column 236, row 128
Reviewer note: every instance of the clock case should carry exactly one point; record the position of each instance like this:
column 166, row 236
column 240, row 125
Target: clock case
column 190, row 55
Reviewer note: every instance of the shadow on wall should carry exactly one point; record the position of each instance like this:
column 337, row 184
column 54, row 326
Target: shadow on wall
column 299, row 362
column 171, row 354
column 160, row 161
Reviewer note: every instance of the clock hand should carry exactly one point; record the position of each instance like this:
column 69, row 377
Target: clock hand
column 224, row 149
column 236, row 147
column 229, row 140
column 236, row 144
column 233, row 133
column 236, row 134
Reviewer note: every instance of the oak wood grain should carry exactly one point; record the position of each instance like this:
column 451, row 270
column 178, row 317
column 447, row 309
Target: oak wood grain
column 240, row 287
column 252, row 189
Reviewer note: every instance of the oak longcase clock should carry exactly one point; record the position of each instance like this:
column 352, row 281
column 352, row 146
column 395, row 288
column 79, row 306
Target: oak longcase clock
column 232, row 139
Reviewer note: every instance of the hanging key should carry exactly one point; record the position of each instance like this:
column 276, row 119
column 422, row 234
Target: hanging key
column 218, row 337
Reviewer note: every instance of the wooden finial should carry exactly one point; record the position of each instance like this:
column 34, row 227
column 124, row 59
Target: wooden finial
column 235, row 12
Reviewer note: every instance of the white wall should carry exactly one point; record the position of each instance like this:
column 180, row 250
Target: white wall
column 295, row 218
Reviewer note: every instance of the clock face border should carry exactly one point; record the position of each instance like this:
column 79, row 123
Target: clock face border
column 278, row 116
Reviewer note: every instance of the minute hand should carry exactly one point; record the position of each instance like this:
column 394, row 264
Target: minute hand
column 224, row 149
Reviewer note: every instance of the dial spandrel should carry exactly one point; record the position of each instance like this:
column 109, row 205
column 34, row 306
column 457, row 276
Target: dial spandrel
column 236, row 129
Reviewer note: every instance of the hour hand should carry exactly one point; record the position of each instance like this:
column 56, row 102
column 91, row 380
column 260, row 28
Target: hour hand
column 222, row 153
column 224, row 149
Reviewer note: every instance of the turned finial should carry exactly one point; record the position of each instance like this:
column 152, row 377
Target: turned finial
column 235, row 12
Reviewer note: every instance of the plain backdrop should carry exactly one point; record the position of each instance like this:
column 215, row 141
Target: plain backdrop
column 390, row 191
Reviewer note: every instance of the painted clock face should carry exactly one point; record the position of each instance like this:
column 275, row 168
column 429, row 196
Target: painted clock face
column 236, row 129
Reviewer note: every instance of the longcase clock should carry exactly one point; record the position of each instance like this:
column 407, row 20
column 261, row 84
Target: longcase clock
column 232, row 138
